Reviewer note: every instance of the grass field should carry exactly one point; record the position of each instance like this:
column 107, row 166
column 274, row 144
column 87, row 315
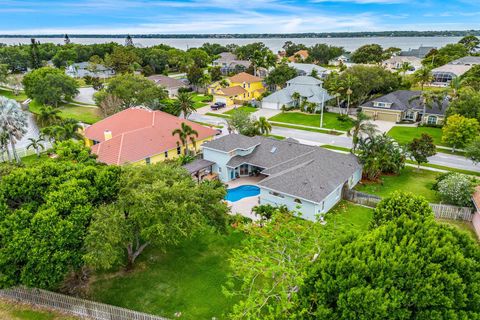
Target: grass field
column 83, row 114
column 9, row 94
column 200, row 100
column 292, row 126
column 330, row 120
column 15, row 311
column 247, row 109
column 404, row 135
column 409, row 180
column 186, row 279
column 347, row 216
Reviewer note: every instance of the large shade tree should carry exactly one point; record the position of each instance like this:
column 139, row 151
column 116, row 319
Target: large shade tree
column 158, row 205
column 49, row 86
column 407, row 268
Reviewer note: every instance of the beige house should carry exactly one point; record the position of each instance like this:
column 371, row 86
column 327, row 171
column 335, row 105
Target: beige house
column 398, row 106
column 396, row 62
column 170, row 84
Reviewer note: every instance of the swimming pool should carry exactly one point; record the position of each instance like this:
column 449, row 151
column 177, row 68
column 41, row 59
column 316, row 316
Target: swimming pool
column 241, row 192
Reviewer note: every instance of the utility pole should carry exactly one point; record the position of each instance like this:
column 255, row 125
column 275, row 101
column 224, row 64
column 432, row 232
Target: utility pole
column 323, row 107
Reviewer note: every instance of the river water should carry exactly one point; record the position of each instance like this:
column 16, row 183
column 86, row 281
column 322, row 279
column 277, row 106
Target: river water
column 275, row 44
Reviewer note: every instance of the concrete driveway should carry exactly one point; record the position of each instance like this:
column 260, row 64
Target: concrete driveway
column 267, row 113
column 85, row 95
column 383, row 126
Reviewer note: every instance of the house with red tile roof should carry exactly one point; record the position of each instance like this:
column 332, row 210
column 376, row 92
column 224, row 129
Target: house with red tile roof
column 139, row 135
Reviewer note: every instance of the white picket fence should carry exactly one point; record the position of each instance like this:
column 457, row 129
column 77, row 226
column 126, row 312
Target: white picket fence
column 75, row 306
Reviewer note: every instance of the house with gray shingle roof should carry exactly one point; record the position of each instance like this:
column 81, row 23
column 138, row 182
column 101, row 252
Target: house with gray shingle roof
column 306, row 179
column 310, row 88
column 403, row 105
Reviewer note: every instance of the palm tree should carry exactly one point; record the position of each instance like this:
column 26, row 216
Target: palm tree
column 361, row 125
column 348, row 83
column 423, row 76
column 185, row 104
column 185, row 133
column 71, row 129
column 54, row 133
column 36, row 144
column 13, row 121
column 335, row 87
column 48, row 115
column 296, row 99
column 455, row 85
column 428, row 99
column 263, row 125
column 4, row 146
column 406, row 66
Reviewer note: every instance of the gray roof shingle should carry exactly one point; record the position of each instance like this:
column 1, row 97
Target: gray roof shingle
column 231, row 142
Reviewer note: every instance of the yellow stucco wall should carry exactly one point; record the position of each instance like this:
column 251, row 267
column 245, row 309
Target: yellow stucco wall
column 252, row 89
column 172, row 153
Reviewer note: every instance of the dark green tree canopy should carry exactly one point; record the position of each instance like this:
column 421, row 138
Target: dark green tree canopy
column 405, row 269
column 49, row 86
column 44, row 214
column 280, row 75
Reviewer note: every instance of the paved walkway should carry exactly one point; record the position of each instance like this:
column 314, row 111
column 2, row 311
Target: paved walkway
column 267, row 113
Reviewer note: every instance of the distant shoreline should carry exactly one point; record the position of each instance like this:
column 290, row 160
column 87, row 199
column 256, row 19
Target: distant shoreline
column 389, row 34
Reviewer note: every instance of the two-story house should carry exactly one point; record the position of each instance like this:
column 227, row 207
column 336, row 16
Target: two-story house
column 243, row 87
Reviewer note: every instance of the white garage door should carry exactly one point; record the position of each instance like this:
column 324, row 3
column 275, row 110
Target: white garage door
column 270, row 105
column 220, row 99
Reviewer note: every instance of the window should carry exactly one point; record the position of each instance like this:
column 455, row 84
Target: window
column 410, row 115
column 432, row 120
column 244, row 85
column 179, row 150
column 249, row 85
column 166, row 154
column 147, row 160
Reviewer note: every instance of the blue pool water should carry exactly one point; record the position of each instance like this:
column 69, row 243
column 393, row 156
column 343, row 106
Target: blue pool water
column 241, row 192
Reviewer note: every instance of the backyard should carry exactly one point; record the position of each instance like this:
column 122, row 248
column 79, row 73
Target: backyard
column 15, row 311
column 404, row 135
column 81, row 113
column 409, row 180
column 187, row 279
column 330, row 120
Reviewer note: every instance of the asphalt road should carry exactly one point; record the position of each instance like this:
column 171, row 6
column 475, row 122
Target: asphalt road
column 314, row 138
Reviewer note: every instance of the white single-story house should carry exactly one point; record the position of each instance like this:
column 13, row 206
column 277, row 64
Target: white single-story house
column 309, row 88
column 306, row 179
column 83, row 69
column 306, row 69
column 342, row 60
column 401, row 105
column 170, row 84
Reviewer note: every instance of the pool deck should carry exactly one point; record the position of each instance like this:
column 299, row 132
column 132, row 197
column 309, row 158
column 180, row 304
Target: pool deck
column 244, row 206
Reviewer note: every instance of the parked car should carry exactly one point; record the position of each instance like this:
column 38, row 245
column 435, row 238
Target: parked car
column 218, row 105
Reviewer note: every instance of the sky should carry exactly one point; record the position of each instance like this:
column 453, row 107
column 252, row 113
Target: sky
column 233, row 16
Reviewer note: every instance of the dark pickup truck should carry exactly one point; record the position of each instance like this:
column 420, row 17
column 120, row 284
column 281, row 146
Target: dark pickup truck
column 218, row 105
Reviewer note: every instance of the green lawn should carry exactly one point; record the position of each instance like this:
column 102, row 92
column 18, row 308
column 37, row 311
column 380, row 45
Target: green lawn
column 461, row 225
column 330, row 120
column 9, row 94
column 410, row 180
column 186, row 279
column 247, row 109
column 83, row 114
column 16, row 311
column 347, row 216
column 404, row 135
column 200, row 100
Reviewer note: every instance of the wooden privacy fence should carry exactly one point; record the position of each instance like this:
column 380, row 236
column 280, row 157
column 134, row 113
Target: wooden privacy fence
column 441, row 211
column 74, row 306
column 444, row 211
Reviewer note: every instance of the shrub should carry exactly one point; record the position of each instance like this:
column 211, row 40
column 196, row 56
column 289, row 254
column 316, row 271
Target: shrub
column 401, row 204
column 456, row 189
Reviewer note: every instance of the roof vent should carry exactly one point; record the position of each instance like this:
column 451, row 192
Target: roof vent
column 273, row 149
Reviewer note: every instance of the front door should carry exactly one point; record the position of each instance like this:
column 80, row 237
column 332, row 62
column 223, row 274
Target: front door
column 244, row 170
